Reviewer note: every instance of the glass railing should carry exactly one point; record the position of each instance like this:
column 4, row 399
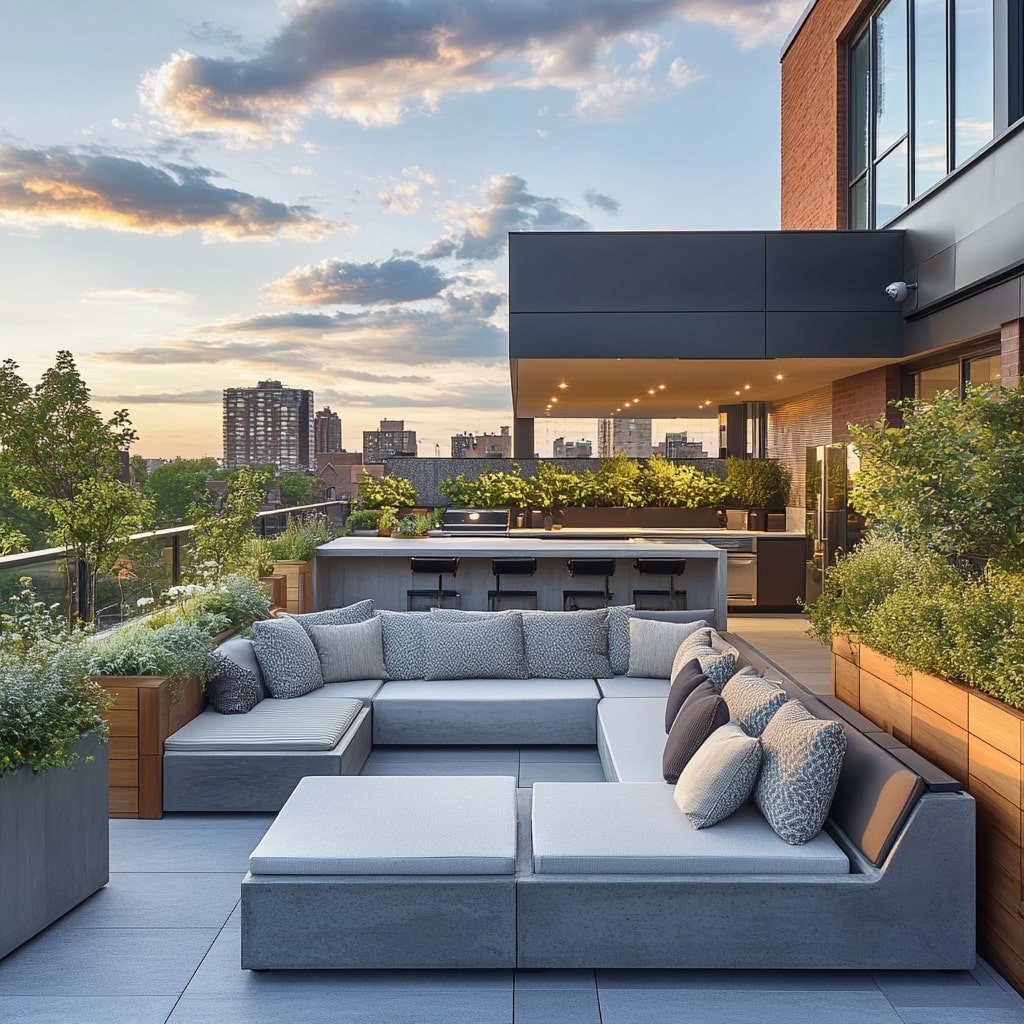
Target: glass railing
column 151, row 563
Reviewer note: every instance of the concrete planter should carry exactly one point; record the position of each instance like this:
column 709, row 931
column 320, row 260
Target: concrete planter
column 603, row 517
column 54, row 843
column 976, row 739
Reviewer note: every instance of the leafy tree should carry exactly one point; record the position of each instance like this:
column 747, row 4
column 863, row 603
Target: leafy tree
column 222, row 539
column 951, row 479
column 295, row 488
column 139, row 470
column 60, row 460
column 176, row 485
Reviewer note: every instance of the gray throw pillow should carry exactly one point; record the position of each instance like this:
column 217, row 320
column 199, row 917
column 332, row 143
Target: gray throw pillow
column 719, row 777
column 238, row 685
column 358, row 612
column 803, row 756
column 653, row 645
column 753, row 701
column 698, row 642
column 567, row 645
column 402, row 635
column 684, row 682
column 287, row 657
column 618, row 637
column 702, row 713
column 719, row 668
column 349, row 652
column 490, row 648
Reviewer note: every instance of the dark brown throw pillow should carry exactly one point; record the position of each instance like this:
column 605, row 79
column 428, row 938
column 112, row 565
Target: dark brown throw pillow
column 684, row 682
column 702, row 713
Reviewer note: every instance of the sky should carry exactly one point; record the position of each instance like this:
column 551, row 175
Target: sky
column 200, row 195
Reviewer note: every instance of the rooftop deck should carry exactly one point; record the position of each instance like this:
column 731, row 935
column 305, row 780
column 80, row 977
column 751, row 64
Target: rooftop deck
column 161, row 942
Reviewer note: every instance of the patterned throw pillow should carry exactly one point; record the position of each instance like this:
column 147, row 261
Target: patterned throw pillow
column 358, row 612
column 719, row 668
column 402, row 635
column 567, row 645
column 490, row 648
column 684, row 682
column 698, row 642
column 238, row 686
column 803, row 756
column 287, row 657
column 349, row 652
column 653, row 645
column 619, row 616
column 753, row 701
column 720, row 777
column 702, row 713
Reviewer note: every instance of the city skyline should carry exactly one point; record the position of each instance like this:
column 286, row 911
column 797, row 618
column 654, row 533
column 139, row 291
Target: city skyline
column 200, row 197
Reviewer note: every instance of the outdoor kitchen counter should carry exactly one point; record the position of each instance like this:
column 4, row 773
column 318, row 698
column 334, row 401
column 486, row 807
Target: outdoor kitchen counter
column 353, row 568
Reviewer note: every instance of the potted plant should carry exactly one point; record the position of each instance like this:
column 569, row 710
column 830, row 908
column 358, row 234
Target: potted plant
column 387, row 521
column 757, row 485
column 53, row 771
column 363, row 522
column 412, row 525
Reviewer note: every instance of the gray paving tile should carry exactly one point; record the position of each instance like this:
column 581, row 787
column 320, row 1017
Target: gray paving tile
column 553, row 771
column 105, row 962
column 561, row 1005
column 723, row 1006
column 391, row 1004
column 158, row 900
column 86, row 1009
column 561, row 754
column 446, row 768
column 944, row 988
column 187, row 844
column 528, row 979
column 427, row 755
column 736, row 981
column 960, row 1015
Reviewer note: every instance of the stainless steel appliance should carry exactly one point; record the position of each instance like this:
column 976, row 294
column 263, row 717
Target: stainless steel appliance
column 832, row 523
column 741, row 569
column 475, row 522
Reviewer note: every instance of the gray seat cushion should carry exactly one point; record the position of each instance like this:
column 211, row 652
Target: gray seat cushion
column 393, row 825
column 633, row 686
column 631, row 738
column 272, row 725
column 585, row 828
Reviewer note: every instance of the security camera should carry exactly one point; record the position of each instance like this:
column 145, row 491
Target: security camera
column 897, row 291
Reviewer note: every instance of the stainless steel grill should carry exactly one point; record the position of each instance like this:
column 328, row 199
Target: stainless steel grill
column 475, row 522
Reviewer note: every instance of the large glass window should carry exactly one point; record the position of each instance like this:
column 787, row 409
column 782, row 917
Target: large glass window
column 922, row 100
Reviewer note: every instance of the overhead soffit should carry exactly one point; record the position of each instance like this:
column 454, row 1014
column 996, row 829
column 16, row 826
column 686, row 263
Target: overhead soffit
column 667, row 388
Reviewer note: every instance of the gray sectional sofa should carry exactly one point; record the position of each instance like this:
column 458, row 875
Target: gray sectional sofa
column 599, row 875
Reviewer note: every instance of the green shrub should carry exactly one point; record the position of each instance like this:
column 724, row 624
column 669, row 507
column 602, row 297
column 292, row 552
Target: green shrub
column 390, row 492
column 363, row 519
column 300, row 538
column 756, row 483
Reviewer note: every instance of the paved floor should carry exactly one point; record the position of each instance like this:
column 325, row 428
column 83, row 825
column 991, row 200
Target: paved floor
column 161, row 942
column 784, row 639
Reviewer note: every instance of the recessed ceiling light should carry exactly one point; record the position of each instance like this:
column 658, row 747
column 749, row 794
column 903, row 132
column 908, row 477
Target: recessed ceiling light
column 650, row 391
column 563, row 385
column 737, row 392
column 778, row 376
column 554, row 399
column 746, row 387
column 661, row 387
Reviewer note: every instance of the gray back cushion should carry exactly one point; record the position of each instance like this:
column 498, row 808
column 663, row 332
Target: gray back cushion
column 402, row 636
column 653, row 645
column 702, row 713
column 349, row 652
column 618, row 628
column 358, row 612
column 567, row 645
column 470, row 648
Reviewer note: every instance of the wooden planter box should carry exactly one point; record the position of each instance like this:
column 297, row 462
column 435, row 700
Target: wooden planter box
column 147, row 709
column 976, row 739
column 300, row 585
column 54, row 843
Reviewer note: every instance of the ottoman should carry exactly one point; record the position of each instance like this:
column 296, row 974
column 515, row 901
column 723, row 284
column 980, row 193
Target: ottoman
column 385, row 872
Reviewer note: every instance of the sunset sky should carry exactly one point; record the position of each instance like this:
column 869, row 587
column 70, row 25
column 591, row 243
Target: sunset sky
column 196, row 196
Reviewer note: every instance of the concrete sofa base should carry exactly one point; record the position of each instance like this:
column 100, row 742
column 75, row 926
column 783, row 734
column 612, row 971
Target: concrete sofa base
column 243, row 780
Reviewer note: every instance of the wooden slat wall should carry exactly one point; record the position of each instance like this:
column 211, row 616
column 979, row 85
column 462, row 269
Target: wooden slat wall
column 979, row 741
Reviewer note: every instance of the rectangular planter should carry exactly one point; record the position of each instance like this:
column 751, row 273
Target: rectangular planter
column 979, row 741
column 147, row 709
column 54, row 843
column 636, row 518
column 299, row 577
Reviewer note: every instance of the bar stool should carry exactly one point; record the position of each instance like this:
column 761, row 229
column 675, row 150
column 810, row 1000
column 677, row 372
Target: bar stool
column 660, row 600
column 426, row 599
column 498, row 598
column 591, row 598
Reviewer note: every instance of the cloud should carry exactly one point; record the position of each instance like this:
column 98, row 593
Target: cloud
column 446, row 395
column 58, row 186
column 405, row 196
column 334, row 281
column 600, row 201
column 164, row 398
column 375, row 61
column 481, row 232
column 146, row 296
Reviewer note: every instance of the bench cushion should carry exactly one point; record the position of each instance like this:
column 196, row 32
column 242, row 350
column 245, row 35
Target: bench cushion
column 271, row 725
column 393, row 825
column 633, row 686
column 631, row 738
column 567, row 645
column 636, row 829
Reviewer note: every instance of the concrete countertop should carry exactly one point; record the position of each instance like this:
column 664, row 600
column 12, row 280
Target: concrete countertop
column 543, row 544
